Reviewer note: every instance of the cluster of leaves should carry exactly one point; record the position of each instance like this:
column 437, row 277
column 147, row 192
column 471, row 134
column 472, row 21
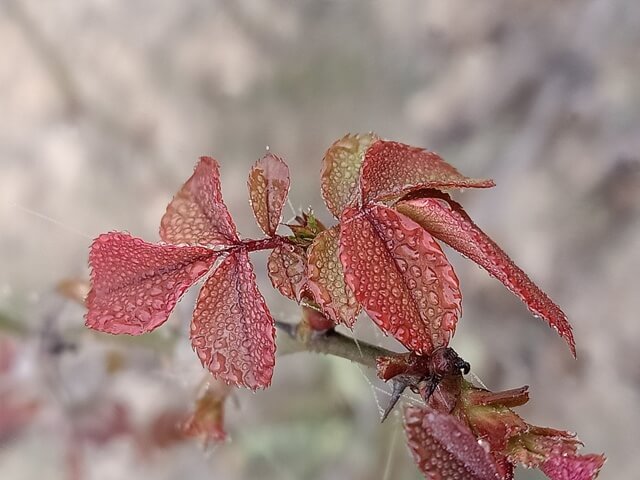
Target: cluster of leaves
column 381, row 257
column 465, row 432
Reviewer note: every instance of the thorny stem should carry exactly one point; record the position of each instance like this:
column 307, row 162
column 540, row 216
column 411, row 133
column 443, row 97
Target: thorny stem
column 301, row 339
column 328, row 343
column 422, row 374
column 253, row 245
column 332, row 343
column 265, row 243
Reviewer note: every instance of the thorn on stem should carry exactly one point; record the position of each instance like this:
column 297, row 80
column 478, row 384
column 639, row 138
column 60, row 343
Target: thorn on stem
column 399, row 386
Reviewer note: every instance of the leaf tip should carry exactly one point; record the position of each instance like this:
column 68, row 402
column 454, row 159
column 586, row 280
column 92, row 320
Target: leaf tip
column 268, row 184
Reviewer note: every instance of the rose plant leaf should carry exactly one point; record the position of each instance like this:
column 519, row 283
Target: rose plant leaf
column 268, row 188
column 392, row 169
column 400, row 276
column 573, row 467
column 444, row 448
column 197, row 214
column 287, row 269
column 326, row 279
column 534, row 446
column 135, row 285
column 448, row 222
column 341, row 170
column 232, row 330
column 554, row 452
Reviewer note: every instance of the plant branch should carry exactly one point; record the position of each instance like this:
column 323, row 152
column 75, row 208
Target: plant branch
column 330, row 343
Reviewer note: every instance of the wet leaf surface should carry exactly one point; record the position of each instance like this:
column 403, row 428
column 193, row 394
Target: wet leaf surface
column 327, row 281
column 400, row 276
column 197, row 214
column 444, row 448
column 447, row 221
column 232, row 331
column 573, row 467
column 287, row 269
column 341, row 170
column 135, row 285
column 392, row 169
column 268, row 188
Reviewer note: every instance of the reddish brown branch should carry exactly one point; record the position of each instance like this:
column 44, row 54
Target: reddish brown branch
column 333, row 343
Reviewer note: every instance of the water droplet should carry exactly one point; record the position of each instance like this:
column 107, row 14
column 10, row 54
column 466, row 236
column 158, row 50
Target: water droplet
column 155, row 291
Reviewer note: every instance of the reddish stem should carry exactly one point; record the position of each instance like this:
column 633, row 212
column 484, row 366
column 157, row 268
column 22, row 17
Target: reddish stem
column 252, row 245
column 264, row 243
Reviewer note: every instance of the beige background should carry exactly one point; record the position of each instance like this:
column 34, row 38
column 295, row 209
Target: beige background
column 105, row 106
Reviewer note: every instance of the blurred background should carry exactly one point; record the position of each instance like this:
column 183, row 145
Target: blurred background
column 105, row 107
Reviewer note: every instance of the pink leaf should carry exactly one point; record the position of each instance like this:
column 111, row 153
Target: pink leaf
column 287, row 267
column 400, row 276
column 554, row 452
column 326, row 279
column 341, row 171
column 393, row 169
column 447, row 221
column 268, row 188
column 197, row 214
column 536, row 445
column 444, row 448
column 135, row 285
column 573, row 467
column 232, row 331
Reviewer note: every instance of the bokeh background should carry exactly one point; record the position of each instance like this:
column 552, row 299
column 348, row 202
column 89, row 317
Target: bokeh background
column 106, row 105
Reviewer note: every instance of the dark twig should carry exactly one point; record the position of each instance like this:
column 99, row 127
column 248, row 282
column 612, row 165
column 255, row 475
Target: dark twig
column 422, row 374
column 334, row 343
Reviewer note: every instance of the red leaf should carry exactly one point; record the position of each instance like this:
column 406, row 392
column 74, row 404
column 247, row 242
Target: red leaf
column 554, row 452
column 393, row 169
column 268, row 188
column 573, row 467
column 444, row 448
column 341, row 170
column 197, row 214
column 232, row 331
column 447, row 221
column 287, row 267
column 326, row 279
column 135, row 285
column 400, row 276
